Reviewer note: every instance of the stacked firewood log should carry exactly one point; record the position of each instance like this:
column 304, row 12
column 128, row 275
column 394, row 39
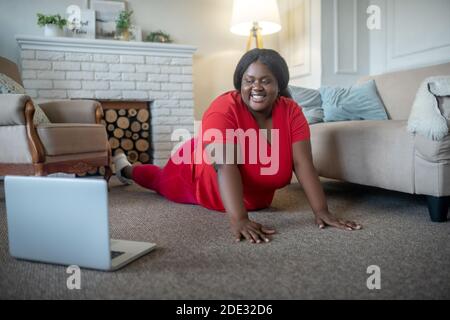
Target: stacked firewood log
column 128, row 132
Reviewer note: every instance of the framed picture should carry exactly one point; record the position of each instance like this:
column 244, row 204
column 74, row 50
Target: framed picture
column 80, row 23
column 86, row 28
column 106, row 13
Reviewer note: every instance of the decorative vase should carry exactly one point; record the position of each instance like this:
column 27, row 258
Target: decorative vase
column 51, row 30
column 123, row 34
column 126, row 35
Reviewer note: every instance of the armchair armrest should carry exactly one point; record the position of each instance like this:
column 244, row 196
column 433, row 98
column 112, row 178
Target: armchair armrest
column 12, row 109
column 73, row 111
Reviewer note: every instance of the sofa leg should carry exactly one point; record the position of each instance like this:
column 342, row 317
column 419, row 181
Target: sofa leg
column 438, row 208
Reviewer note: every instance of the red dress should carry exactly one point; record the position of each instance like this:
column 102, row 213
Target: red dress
column 196, row 182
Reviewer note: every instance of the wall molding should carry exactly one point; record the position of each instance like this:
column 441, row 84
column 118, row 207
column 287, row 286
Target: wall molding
column 299, row 61
column 398, row 60
column 337, row 67
column 103, row 46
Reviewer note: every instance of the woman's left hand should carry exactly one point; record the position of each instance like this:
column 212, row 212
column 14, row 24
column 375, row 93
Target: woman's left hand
column 325, row 218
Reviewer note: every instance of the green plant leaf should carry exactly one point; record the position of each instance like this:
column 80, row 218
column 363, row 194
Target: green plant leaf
column 51, row 19
column 123, row 21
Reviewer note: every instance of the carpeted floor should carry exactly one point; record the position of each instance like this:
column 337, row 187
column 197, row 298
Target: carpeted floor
column 197, row 258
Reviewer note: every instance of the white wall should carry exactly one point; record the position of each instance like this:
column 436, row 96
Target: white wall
column 19, row 17
column 345, row 41
column 413, row 33
column 327, row 42
column 202, row 23
column 300, row 41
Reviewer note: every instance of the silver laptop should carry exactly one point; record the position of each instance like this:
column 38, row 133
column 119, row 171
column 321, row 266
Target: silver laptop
column 65, row 221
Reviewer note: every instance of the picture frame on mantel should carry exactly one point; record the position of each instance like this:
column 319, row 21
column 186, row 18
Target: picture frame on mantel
column 80, row 22
column 106, row 13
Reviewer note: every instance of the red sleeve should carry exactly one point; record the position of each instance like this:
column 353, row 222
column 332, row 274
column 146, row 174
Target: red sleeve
column 299, row 125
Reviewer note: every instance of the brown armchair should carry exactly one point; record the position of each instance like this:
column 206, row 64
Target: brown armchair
column 74, row 141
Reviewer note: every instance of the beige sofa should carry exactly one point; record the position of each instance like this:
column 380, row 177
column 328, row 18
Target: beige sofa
column 383, row 153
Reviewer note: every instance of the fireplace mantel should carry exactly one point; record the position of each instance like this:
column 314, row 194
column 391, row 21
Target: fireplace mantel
column 103, row 46
column 73, row 68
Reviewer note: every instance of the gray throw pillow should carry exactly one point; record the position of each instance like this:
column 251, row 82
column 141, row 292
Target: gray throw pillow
column 310, row 101
column 8, row 85
column 359, row 102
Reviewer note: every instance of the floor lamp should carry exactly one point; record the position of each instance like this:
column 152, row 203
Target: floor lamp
column 255, row 18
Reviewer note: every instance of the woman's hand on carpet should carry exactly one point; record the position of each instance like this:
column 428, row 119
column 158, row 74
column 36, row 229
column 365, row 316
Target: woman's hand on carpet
column 250, row 230
column 325, row 218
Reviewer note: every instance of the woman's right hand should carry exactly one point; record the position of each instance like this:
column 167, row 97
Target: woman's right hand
column 250, row 230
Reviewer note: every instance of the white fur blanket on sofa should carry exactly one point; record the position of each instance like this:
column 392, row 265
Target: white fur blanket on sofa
column 426, row 118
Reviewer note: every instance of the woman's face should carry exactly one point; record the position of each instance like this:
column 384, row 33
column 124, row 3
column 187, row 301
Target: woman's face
column 259, row 88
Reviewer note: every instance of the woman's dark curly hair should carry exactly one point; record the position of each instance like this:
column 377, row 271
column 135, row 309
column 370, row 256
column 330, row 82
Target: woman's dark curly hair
column 272, row 59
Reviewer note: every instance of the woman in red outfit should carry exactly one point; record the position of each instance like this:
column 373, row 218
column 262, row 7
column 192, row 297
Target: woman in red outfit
column 259, row 135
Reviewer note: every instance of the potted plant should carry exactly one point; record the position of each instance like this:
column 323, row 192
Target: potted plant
column 159, row 36
column 53, row 24
column 123, row 24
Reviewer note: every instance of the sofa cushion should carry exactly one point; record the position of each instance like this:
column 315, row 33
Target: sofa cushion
column 9, row 86
column 375, row 153
column 310, row 102
column 359, row 102
column 61, row 139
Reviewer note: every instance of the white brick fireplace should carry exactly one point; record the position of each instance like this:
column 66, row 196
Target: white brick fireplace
column 70, row 68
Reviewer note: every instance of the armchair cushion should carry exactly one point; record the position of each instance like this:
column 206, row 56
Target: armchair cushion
column 62, row 138
column 12, row 107
column 14, row 145
column 9, row 86
column 71, row 111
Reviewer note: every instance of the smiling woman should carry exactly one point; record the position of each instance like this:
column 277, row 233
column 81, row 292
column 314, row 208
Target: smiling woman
column 259, row 89
column 260, row 101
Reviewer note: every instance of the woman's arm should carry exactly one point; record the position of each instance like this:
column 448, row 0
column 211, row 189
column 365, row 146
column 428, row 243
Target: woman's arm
column 231, row 192
column 230, row 185
column 307, row 176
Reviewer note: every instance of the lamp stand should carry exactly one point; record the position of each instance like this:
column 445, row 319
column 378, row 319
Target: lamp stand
column 255, row 32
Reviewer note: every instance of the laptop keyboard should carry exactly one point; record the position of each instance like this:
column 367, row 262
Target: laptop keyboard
column 115, row 254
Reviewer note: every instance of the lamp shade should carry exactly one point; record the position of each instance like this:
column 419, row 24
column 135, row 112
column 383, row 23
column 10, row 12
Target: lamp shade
column 246, row 12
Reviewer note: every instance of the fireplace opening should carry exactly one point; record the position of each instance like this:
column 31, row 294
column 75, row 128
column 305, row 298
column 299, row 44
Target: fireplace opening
column 127, row 124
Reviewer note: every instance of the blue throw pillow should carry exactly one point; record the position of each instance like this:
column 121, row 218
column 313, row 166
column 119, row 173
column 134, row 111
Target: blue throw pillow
column 310, row 101
column 360, row 102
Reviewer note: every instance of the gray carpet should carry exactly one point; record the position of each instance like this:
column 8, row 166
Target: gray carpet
column 198, row 259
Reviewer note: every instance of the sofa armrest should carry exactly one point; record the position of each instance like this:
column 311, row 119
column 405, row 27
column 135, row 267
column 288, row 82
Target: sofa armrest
column 73, row 111
column 12, row 109
column 431, row 150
